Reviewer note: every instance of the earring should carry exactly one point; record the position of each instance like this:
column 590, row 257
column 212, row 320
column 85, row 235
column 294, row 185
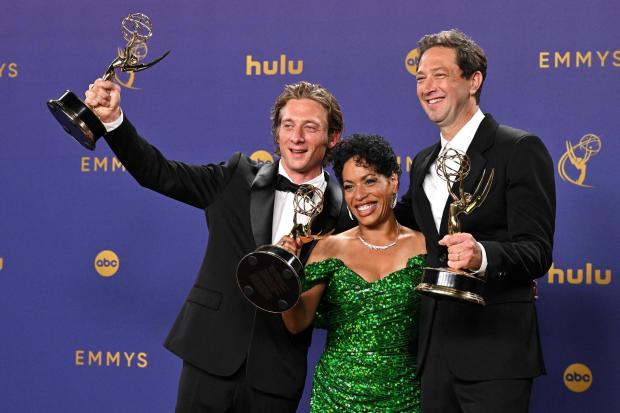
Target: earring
column 350, row 214
column 394, row 200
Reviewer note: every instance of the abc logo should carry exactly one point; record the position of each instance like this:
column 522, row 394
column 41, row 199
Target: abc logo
column 411, row 61
column 263, row 156
column 106, row 263
column 577, row 377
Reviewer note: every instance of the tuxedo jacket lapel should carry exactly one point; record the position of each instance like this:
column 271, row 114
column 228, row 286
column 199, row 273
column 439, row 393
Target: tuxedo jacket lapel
column 422, row 169
column 332, row 203
column 261, row 203
column 483, row 139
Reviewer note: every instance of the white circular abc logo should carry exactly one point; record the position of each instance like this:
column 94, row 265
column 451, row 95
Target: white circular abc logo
column 107, row 263
column 577, row 377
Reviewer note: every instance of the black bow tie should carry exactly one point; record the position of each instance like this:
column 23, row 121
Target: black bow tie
column 283, row 184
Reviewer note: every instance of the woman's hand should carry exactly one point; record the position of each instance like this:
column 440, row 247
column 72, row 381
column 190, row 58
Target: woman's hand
column 290, row 244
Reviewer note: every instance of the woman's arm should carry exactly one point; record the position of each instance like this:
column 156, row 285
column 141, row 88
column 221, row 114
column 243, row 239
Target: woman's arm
column 301, row 315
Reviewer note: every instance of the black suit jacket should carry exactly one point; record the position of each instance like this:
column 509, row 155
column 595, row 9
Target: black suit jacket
column 515, row 225
column 217, row 329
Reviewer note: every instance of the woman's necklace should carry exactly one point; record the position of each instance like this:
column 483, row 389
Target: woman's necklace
column 379, row 247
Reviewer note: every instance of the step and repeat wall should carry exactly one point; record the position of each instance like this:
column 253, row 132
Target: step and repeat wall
column 93, row 268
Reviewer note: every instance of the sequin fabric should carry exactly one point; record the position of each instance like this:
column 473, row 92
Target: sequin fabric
column 368, row 364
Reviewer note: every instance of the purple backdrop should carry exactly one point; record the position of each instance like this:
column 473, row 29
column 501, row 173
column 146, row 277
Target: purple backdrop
column 77, row 341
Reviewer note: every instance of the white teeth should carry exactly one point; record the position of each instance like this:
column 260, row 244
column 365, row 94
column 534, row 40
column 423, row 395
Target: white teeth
column 364, row 207
column 431, row 101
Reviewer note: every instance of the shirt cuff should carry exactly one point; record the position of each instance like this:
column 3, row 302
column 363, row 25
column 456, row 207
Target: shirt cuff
column 483, row 266
column 109, row 127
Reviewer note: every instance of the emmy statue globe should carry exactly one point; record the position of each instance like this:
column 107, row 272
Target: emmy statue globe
column 453, row 167
column 270, row 276
column 77, row 119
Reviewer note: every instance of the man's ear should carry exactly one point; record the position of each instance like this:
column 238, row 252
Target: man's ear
column 333, row 140
column 475, row 82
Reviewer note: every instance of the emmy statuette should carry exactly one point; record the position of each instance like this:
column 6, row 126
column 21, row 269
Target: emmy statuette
column 453, row 166
column 270, row 276
column 77, row 119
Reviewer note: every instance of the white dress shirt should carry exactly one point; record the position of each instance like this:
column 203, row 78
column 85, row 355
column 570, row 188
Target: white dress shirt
column 435, row 188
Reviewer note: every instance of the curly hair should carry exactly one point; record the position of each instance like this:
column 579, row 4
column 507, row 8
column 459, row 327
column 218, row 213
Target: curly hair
column 371, row 151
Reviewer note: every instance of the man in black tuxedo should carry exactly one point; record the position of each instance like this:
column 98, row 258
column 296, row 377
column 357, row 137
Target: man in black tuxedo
column 237, row 358
column 476, row 358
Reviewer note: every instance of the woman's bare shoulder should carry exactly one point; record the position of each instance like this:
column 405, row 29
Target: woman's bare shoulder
column 330, row 246
column 414, row 239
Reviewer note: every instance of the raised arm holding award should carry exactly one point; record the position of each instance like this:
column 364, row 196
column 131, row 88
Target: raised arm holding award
column 225, row 342
column 77, row 119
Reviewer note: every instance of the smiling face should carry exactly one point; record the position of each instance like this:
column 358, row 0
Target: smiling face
column 303, row 138
column 445, row 95
column 368, row 194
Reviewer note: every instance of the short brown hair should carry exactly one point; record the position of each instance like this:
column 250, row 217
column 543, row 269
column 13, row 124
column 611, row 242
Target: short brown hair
column 316, row 92
column 469, row 56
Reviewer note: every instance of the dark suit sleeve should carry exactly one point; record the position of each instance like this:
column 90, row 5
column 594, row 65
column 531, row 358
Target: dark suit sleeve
column 530, row 203
column 404, row 209
column 196, row 185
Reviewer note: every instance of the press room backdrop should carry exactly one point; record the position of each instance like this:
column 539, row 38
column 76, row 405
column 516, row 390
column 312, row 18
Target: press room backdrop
column 93, row 268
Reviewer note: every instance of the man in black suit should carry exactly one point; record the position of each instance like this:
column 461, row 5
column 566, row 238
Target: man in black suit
column 476, row 358
column 238, row 359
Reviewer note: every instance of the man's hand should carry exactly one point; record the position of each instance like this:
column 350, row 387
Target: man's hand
column 104, row 98
column 463, row 251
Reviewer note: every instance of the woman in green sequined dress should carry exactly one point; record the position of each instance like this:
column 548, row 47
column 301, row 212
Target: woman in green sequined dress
column 360, row 286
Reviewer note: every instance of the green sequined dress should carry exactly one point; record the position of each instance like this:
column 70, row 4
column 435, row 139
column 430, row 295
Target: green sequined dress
column 368, row 364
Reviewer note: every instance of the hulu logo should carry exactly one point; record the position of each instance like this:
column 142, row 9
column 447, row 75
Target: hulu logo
column 272, row 67
column 588, row 275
